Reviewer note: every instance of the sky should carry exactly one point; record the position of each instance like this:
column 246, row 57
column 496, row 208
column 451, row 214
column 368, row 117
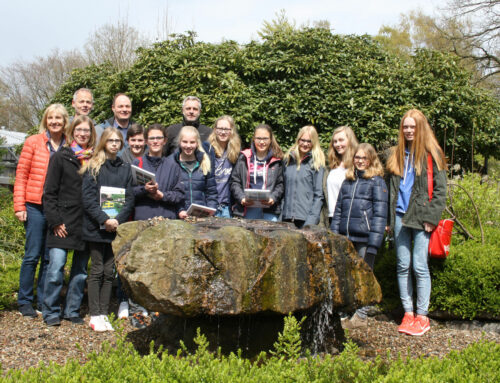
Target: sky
column 33, row 28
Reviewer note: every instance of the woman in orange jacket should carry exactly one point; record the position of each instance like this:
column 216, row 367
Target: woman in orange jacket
column 28, row 190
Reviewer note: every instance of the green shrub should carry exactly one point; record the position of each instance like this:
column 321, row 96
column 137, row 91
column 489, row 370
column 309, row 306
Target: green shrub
column 467, row 282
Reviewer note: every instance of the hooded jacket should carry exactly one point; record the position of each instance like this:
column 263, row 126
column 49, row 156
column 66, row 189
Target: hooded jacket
column 198, row 188
column 303, row 197
column 361, row 211
column 273, row 181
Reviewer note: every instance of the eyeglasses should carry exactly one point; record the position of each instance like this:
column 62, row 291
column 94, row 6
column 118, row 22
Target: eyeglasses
column 262, row 139
column 113, row 141
column 359, row 158
column 85, row 131
column 223, row 130
column 302, row 141
column 157, row 138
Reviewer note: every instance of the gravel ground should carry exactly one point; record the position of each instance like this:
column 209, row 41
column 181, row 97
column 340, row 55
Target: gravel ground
column 26, row 342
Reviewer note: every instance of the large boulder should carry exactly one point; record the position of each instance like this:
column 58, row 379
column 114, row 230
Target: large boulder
column 224, row 267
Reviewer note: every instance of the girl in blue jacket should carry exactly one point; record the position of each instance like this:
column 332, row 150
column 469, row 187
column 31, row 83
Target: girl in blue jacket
column 361, row 211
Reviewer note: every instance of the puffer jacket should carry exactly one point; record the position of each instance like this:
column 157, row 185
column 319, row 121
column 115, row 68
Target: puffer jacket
column 115, row 173
column 240, row 180
column 303, row 191
column 420, row 209
column 361, row 211
column 198, row 188
column 31, row 171
column 62, row 200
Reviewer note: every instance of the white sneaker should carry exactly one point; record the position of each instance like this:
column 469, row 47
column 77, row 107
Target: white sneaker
column 107, row 324
column 97, row 324
column 142, row 310
column 123, row 310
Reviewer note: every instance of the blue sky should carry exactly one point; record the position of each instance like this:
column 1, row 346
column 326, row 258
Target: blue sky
column 32, row 28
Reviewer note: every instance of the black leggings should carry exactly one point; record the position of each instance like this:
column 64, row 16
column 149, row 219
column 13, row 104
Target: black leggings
column 100, row 277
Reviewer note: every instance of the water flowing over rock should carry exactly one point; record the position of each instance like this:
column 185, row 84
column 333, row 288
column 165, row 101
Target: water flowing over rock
column 228, row 268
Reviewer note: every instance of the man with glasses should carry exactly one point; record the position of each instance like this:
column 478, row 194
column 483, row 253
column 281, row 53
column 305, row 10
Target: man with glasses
column 191, row 111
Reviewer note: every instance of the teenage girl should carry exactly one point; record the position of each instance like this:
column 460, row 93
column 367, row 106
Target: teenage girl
column 413, row 214
column 305, row 166
column 103, row 169
column 197, row 172
column 224, row 146
column 259, row 167
column 340, row 154
column 361, row 211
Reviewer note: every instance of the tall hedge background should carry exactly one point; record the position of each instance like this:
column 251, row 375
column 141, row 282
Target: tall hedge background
column 294, row 77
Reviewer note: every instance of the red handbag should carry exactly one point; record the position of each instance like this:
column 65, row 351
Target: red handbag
column 439, row 244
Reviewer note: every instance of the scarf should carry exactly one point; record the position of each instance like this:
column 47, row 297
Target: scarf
column 82, row 154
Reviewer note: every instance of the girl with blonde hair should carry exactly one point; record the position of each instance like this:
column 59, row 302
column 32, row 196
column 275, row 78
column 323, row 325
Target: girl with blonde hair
column 197, row 171
column 224, row 147
column 361, row 212
column 340, row 154
column 414, row 213
column 304, row 169
column 105, row 168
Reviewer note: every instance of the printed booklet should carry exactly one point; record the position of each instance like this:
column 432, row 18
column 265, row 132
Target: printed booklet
column 141, row 176
column 196, row 210
column 257, row 196
column 111, row 200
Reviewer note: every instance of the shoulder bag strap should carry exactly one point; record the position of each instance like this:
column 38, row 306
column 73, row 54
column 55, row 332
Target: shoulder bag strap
column 430, row 180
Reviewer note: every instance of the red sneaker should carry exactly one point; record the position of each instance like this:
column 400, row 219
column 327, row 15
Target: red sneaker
column 406, row 325
column 420, row 326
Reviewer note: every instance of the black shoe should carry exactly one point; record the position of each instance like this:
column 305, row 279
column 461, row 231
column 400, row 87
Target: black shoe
column 137, row 320
column 75, row 320
column 27, row 310
column 53, row 321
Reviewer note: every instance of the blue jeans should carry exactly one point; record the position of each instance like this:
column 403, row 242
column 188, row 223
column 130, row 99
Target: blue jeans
column 223, row 211
column 258, row 213
column 54, row 280
column 406, row 259
column 34, row 250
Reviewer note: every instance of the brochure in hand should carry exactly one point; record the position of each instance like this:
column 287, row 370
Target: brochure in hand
column 141, row 176
column 257, row 196
column 196, row 210
column 112, row 201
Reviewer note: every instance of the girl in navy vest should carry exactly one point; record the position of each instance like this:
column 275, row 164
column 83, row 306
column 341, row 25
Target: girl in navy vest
column 361, row 211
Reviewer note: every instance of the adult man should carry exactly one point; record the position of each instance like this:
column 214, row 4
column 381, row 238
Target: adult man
column 122, row 111
column 191, row 110
column 82, row 102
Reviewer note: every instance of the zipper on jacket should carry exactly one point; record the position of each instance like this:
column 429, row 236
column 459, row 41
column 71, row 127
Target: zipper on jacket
column 366, row 218
column 350, row 206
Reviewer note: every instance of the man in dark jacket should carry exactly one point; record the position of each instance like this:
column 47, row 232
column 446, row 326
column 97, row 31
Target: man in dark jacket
column 122, row 113
column 191, row 111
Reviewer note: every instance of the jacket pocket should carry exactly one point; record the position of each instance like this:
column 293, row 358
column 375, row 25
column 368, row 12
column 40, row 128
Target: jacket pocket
column 367, row 220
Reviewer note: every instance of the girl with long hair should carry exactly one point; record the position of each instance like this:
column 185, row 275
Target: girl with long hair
column 304, row 169
column 361, row 211
column 414, row 214
column 224, row 146
column 197, row 172
column 259, row 167
column 62, row 204
column 105, row 168
column 340, row 154
column 31, row 173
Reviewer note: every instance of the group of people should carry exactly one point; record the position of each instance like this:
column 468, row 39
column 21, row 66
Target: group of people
column 61, row 171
